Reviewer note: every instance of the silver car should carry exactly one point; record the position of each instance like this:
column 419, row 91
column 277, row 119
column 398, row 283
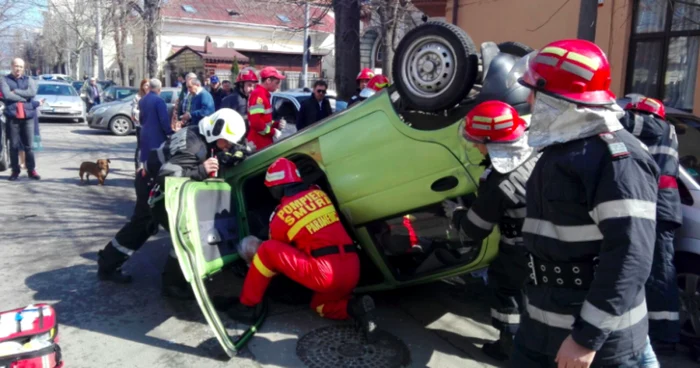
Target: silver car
column 115, row 116
column 62, row 103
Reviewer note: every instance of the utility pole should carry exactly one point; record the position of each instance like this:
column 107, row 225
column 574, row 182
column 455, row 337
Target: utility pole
column 588, row 15
column 98, row 42
column 305, row 62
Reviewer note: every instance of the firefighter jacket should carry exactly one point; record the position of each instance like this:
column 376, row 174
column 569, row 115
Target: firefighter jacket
column 183, row 155
column 262, row 127
column 308, row 220
column 660, row 138
column 500, row 201
column 590, row 202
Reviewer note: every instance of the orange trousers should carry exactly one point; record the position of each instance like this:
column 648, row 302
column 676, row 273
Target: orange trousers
column 331, row 277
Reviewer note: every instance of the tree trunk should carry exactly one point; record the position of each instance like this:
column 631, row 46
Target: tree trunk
column 150, row 17
column 98, row 42
column 118, row 19
column 347, row 46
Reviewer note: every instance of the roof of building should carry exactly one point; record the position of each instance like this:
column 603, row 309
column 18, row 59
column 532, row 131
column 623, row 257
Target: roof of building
column 267, row 13
column 211, row 53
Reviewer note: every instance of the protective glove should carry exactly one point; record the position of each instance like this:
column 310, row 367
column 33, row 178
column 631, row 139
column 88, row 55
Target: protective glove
column 450, row 207
column 277, row 134
column 251, row 146
column 282, row 124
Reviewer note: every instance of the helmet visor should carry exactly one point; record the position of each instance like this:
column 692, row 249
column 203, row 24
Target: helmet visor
column 520, row 68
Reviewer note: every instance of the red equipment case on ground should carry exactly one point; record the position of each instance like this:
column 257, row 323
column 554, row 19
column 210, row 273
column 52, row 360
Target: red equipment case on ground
column 29, row 338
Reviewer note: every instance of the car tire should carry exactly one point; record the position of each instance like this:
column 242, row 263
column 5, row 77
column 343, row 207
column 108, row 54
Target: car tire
column 435, row 66
column 120, row 125
column 688, row 278
column 515, row 48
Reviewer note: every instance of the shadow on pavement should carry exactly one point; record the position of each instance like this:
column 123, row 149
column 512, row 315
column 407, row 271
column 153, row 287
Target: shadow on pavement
column 110, row 181
column 88, row 131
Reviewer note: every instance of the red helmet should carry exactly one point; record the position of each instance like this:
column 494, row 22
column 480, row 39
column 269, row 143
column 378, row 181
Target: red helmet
column 648, row 104
column 574, row 70
column 376, row 84
column 281, row 172
column 247, row 75
column 270, row 72
column 493, row 122
column 365, row 73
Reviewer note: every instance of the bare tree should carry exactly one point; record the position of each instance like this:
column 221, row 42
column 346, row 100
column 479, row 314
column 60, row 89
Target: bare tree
column 395, row 18
column 150, row 13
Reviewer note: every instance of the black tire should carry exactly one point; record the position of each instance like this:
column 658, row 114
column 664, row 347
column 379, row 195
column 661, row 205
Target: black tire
column 121, row 125
column 515, row 48
column 688, row 268
column 450, row 55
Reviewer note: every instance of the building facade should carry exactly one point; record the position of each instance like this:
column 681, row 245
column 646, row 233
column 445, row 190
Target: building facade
column 653, row 45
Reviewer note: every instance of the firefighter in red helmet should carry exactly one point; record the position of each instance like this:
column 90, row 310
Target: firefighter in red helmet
column 238, row 99
column 591, row 215
column 362, row 80
column 308, row 244
column 262, row 127
column 376, row 84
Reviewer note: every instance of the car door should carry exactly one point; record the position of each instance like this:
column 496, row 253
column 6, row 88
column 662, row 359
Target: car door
column 203, row 218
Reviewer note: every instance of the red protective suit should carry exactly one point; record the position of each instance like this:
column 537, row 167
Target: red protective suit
column 309, row 222
column 262, row 127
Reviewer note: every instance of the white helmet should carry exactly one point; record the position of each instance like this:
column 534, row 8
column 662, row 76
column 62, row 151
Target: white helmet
column 224, row 124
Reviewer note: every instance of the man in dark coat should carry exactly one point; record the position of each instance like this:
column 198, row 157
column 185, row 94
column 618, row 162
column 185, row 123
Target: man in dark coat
column 315, row 108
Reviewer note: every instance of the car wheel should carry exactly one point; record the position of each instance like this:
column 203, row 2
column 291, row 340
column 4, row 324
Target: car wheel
column 688, row 277
column 515, row 48
column 435, row 66
column 120, row 125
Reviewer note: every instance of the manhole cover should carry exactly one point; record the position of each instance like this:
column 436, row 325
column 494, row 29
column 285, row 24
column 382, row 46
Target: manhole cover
column 344, row 346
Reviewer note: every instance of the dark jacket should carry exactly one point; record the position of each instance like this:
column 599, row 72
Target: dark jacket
column 202, row 105
column 18, row 91
column 660, row 138
column 311, row 111
column 155, row 123
column 218, row 95
column 590, row 217
column 237, row 102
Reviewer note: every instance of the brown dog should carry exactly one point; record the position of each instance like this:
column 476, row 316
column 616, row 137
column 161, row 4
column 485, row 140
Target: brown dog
column 98, row 169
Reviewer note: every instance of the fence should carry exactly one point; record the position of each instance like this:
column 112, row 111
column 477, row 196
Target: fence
column 293, row 79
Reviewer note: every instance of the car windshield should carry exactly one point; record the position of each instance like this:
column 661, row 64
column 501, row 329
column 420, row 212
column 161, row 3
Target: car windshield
column 56, row 90
column 688, row 131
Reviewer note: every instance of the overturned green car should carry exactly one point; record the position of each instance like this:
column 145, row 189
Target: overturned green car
column 387, row 163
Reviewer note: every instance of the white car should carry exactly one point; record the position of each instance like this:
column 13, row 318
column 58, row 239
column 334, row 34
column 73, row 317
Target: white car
column 62, row 102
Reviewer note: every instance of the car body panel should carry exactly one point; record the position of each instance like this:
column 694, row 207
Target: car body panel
column 688, row 236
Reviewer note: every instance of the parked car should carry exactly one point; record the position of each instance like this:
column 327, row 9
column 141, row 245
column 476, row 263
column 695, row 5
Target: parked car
column 115, row 93
column 115, row 116
column 387, row 163
column 62, row 102
column 287, row 104
column 687, row 240
column 56, row 77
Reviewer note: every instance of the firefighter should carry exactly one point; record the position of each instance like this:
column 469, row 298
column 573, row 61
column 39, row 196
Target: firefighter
column 591, row 214
column 499, row 134
column 238, row 99
column 187, row 153
column 376, row 84
column 645, row 119
column 362, row 79
column 308, row 244
column 262, row 128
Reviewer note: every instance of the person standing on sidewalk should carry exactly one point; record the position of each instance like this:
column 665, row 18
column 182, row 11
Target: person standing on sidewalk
column 143, row 90
column 19, row 91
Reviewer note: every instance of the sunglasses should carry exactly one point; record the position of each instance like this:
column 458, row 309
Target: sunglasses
column 323, row 91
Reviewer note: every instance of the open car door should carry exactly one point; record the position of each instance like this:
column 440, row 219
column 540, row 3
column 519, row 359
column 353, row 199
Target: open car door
column 204, row 227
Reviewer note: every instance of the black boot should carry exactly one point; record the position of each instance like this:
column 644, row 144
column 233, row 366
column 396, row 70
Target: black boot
column 173, row 281
column 361, row 309
column 244, row 314
column 109, row 263
column 500, row 349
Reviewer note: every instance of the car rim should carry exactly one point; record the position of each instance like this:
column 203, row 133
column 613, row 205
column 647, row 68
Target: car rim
column 121, row 126
column 429, row 67
column 690, row 304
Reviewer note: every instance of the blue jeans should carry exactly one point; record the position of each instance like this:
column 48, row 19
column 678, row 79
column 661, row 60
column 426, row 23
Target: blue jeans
column 21, row 133
column 648, row 358
column 523, row 357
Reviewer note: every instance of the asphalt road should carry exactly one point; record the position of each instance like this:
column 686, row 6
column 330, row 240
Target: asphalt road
column 53, row 228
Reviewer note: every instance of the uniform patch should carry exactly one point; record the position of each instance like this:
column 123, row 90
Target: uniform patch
column 485, row 175
column 616, row 147
column 259, row 101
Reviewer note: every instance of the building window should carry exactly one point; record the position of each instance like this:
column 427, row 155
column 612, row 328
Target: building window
column 664, row 50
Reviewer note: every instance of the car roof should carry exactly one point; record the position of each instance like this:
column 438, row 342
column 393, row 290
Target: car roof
column 59, row 83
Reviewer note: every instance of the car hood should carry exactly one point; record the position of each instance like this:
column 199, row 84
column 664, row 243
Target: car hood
column 54, row 100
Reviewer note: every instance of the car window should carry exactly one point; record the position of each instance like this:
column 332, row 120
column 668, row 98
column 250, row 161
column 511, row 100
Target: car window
column 688, row 131
column 167, row 96
column 285, row 108
column 122, row 93
column 56, row 90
